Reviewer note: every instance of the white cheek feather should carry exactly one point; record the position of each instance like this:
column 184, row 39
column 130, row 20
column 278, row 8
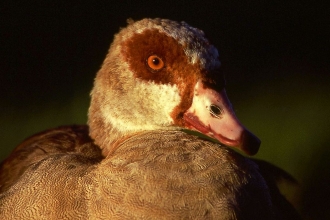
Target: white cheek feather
column 146, row 106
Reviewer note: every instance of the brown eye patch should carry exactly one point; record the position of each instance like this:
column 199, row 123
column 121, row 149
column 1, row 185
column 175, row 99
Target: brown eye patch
column 152, row 50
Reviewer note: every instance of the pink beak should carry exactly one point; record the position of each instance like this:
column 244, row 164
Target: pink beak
column 211, row 114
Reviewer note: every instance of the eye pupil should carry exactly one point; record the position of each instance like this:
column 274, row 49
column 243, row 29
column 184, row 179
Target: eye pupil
column 156, row 61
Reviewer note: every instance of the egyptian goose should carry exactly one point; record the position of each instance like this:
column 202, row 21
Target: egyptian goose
column 157, row 145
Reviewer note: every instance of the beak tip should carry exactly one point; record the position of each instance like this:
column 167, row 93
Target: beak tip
column 250, row 143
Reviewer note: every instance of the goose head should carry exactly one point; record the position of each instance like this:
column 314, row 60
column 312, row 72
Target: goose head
column 163, row 75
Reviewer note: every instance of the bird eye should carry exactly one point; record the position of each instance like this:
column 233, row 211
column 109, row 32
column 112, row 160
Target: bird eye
column 155, row 62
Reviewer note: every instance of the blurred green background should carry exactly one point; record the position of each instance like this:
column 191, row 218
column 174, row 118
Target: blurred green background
column 275, row 56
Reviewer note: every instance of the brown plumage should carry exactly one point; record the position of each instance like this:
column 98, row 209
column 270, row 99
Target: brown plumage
column 135, row 160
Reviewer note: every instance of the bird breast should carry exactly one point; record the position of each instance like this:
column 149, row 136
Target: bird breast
column 173, row 175
column 152, row 175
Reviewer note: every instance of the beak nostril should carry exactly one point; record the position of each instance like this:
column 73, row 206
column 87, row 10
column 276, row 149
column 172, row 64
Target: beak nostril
column 215, row 111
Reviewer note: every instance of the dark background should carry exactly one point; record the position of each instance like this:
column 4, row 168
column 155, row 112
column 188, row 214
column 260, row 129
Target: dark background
column 275, row 56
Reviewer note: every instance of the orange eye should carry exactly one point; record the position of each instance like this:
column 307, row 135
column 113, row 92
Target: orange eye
column 155, row 62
